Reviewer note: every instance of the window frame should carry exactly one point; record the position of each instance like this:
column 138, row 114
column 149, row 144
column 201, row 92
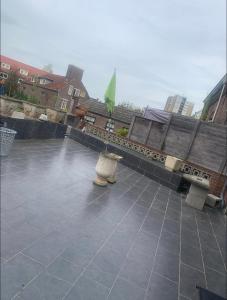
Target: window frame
column 75, row 90
column 110, row 128
column 90, row 119
column 64, row 103
column 23, row 72
column 5, row 66
column 70, row 90
column 4, row 77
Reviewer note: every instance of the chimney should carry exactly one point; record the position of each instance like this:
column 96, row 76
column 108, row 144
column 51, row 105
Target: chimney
column 74, row 72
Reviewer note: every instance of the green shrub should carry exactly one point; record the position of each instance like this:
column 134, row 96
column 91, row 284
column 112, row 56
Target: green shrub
column 122, row 132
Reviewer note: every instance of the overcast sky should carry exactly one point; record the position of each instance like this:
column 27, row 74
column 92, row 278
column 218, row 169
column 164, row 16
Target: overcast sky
column 159, row 47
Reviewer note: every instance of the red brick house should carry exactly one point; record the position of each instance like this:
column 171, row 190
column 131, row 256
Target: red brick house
column 56, row 91
column 96, row 114
column 215, row 104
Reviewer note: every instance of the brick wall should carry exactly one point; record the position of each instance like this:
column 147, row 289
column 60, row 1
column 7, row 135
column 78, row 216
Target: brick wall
column 44, row 96
column 221, row 115
column 100, row 121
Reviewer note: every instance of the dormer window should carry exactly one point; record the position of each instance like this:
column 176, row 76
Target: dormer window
column 70, row 90
column 44, row 81
column 33, row 79
column 76, row 92
column 23, row 72
column 5, row 66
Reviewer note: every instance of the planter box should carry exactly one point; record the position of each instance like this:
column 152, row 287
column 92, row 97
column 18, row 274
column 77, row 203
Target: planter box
column 8, row 106
column 172, row 163
column 55, row 115
column 32, row 110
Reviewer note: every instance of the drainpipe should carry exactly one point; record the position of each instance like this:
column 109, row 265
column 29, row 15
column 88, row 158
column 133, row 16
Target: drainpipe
column 219, row 101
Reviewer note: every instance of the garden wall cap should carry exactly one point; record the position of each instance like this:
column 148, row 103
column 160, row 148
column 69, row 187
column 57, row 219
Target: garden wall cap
column 202, row 182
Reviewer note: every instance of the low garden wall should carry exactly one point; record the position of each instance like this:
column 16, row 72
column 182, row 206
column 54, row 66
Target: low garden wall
column 35, row 129
column 8, row 105
column 151, row 168
column 216, row 179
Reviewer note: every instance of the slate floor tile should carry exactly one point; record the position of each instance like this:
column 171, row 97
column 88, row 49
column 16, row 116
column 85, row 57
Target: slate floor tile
column 189, row 238
column 81, row 251
column 16, row 273
column 161, row 288
column 167, row 264
column 87, row 289
column 125, row 290
column 213, row 260
column 171, row 226
column 64, row 270
column 208, row 240
column 45, row 286
column 192, row 256
column 170, row 241
column 172, row 214
column 189, row 279
column 136, row 272
column 105, row 266
column 47, row 248
column 216, row 282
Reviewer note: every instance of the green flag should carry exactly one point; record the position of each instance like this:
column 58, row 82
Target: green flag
column 110, row 94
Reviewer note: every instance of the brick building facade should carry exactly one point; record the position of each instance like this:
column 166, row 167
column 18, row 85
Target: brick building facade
column 97, row 115
column 55, row 91
column 215, row 104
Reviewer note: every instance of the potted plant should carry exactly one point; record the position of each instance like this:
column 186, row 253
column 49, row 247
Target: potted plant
column 107, row 162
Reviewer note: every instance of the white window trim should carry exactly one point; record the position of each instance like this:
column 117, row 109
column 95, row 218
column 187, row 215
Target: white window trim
column 90, row 119
column 33, row 79
column 76, row 92
column 3, row 75
column 70, row 90
column 23, row 72
column 5, row 66
column 64, row 103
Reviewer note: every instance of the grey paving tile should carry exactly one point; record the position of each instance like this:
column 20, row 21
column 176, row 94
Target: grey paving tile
column 81, row 251
column 145, row 244
column 173, row 214
column 167, row 264
column 16, row 239
column 161, row 288
column 176, row 205
column 213, row 260
column 216, row 282
column 189, row 238
column 189, row 279
column 45, row 286
column 64, row 270
column 192, row 256
column 171, row 226
column 105, row 266
column 189, row 222
column 136, row 272
column 48, row 248
column 152, row 226
column 160, row 204
column 16, row 273
column 87, row 289
column 208, row 240
column 125, row 290
column 204, row 226
column 170, row 241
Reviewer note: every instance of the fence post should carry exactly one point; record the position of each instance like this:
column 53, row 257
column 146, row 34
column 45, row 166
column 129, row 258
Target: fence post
column 165, row 132
column 149, row 131
column 131, row 127
column 193, row 136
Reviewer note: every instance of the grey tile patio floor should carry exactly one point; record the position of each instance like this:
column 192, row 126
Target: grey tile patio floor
column 64, row 238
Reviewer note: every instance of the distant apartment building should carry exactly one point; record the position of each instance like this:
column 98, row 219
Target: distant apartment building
column 178, row 104
column 215, row 104
column 55, row 91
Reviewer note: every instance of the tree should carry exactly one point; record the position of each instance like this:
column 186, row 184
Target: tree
column 48, row 68
column 12, row 84
column 130, row 106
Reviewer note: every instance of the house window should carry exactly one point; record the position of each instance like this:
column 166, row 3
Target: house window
column 33, row 79
column 76, row 92
column 20, row 80
column 110, row 125
column 82, row 94
column 70, row 90
column 3, row 75
column 64, row 104
column 23, row 72
column 89, row 119
column 5, row 66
